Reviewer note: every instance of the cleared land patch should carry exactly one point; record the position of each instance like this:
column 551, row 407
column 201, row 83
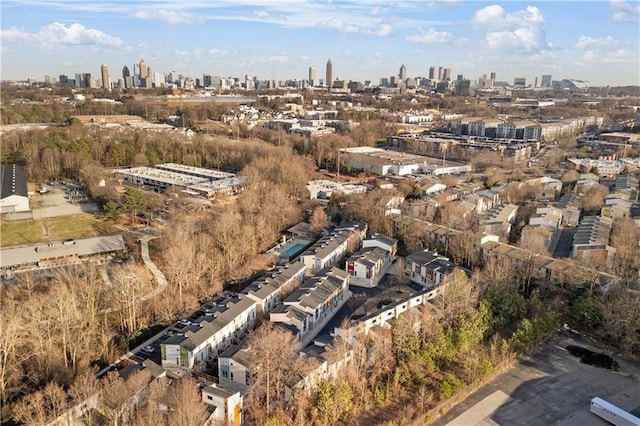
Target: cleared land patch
column 53, row 229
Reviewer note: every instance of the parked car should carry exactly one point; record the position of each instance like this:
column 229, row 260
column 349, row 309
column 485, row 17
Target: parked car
column 148, row 349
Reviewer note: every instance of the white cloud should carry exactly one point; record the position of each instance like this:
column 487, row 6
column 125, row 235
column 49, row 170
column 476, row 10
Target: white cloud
column 170, row 16
column 605, row 50
column 586, row 42
column 622, row 11
column 380, row 29
column 429, row 36
column 61, row 34
column 522, row 30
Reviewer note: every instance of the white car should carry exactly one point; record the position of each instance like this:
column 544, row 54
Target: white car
column 148, row 349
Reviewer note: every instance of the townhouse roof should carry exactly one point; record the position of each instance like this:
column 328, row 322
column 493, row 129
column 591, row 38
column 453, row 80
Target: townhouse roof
column 593, row 230
column 326, row 245
column 426, row 257
column 550, row 214
column 500, row 213
column 291, row 312
column 14, row 180
column 208, row 325
column 218, row 391
column 369, row 256
column 271, row 281
column 319, row 288
column 384, row 239
column 625, row 182
column 16, row 256
column 240, row 354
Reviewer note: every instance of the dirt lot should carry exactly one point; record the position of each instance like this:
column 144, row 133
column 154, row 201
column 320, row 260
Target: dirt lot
column 549, row 387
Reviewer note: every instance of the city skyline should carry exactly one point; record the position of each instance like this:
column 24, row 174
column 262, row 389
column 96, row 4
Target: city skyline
column 365, row 40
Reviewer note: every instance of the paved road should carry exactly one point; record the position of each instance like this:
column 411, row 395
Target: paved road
column 565, row 243
column 548, row 387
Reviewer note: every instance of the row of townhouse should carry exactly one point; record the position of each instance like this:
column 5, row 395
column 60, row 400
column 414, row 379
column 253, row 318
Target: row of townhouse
column 367, row 265
column 427, row 268
column 314, row 303
column 269, row 290
column 202, row 340
column 331, row 248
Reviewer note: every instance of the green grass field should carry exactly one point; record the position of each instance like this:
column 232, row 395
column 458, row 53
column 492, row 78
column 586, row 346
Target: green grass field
column 26, row 232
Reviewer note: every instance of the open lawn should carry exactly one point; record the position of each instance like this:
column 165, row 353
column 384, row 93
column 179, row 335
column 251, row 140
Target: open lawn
column 58, row 228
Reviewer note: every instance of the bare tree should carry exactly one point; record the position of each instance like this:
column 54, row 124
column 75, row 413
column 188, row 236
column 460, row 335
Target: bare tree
column 319, row 219
column 188, row 408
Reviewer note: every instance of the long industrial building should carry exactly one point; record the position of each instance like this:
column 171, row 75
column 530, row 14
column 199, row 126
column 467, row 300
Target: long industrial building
column 382, row 162
column 195, row 181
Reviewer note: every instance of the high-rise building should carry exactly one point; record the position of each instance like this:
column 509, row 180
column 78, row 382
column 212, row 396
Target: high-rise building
column 79, row 81
column 546, row 80
column 63, row 79
column 493, row 79
column 104, row 71
column 440, row 73
column 125, row 72
column 313, row 76
column 460, row 77
column 520, row 81
column 432, row 73
column 329, row 75
column 143, row 69
column 535, row 82
column 403, row 73
column 447, row 74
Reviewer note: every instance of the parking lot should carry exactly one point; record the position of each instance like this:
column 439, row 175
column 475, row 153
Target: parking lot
column 549, row 387
column 61, row 200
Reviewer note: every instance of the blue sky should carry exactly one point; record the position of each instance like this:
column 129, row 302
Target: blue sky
column 596, row 41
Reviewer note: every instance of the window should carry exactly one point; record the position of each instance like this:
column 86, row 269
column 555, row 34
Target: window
column 231, row 375
column 225, row 374
column 209, row 397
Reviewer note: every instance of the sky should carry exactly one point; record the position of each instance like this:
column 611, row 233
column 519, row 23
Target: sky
column 597, row 41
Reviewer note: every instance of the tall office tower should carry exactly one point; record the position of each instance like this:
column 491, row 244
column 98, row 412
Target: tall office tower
column 87, row 80
column 206, row 80
column 484, row 80
column 460, row 77
column 104, row 71
column 125, row 72
column 79, row 81
column 440, row 73
column 546, row 80
column 447, row 74
column 63, row 79
column 403, row 73
column 143, row 69
column 329, row 75
column 520, row 81
column 313, row 76
column 493, row 79
column 432, row 73
column 535, row 82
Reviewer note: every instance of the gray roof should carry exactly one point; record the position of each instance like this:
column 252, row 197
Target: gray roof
column 196, row 334
column 384, row 239
column 218, row 391
column 17, row 256
column 425, row 257
column 318, row 289
column 13, row 180
column 368, row 256
column 593, row 230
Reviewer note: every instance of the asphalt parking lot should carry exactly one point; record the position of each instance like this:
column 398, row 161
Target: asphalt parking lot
column 53, row 203
column 549, row 387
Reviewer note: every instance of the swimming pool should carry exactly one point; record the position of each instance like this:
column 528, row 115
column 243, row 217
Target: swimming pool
column 293, row 250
